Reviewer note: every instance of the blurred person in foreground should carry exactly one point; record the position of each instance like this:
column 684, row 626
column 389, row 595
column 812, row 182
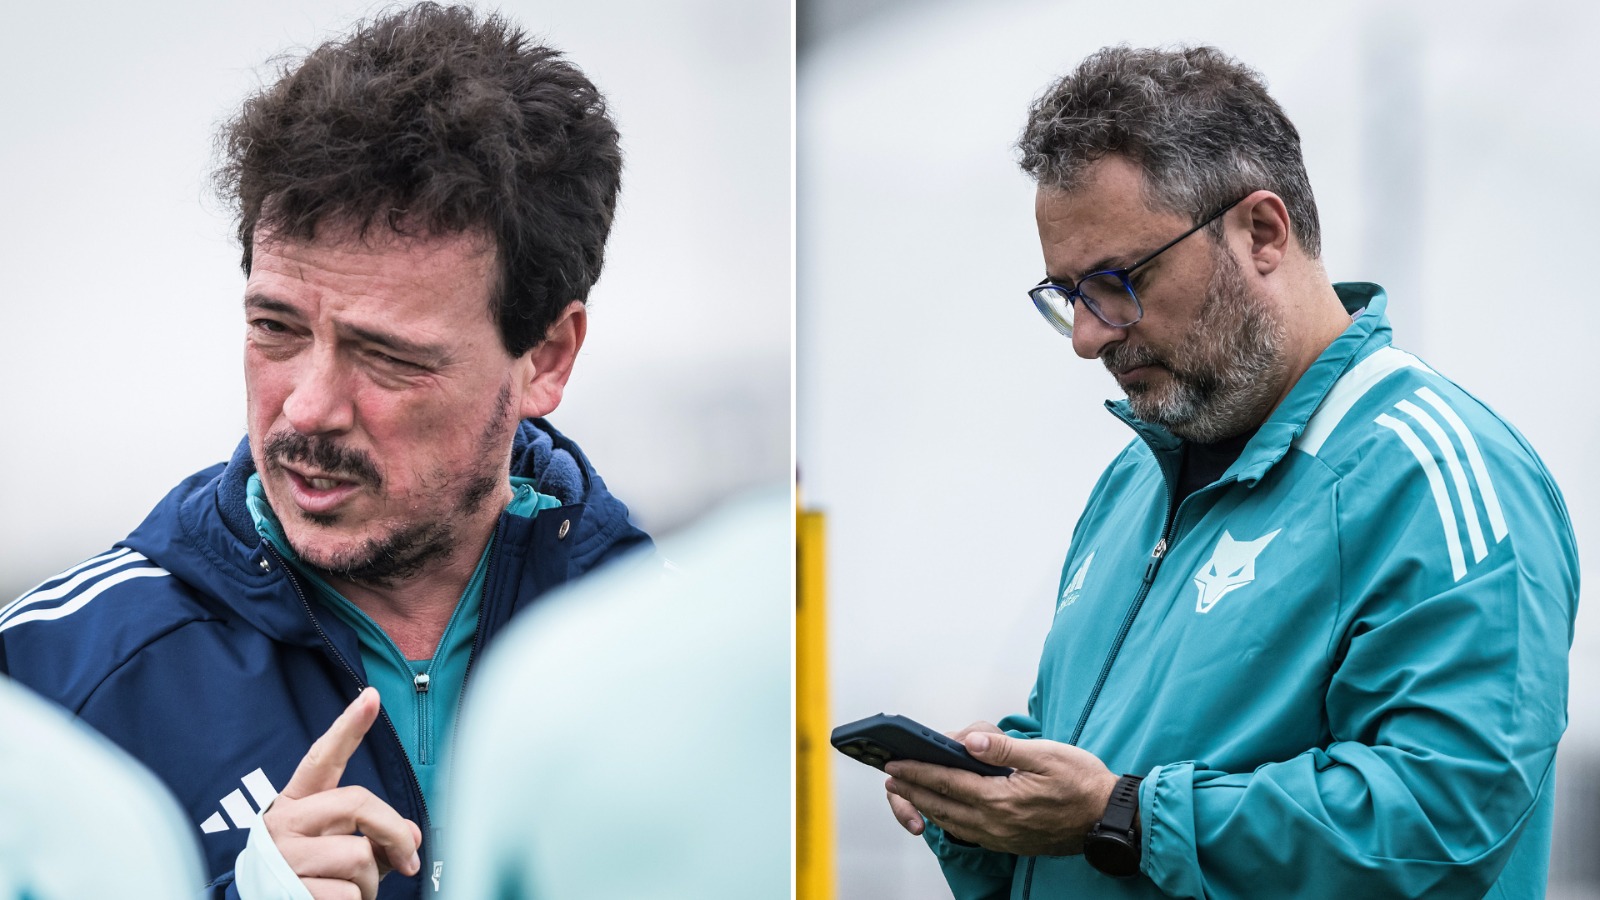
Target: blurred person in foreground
column 1312, row 630
column 423, row 207
column 67, row 796
column 700, row 646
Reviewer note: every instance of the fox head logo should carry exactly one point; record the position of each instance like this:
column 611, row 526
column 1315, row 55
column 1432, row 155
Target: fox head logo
column 1232, row 566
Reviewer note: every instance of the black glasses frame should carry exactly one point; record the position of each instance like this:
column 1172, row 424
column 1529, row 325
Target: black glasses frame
column 1040, row 292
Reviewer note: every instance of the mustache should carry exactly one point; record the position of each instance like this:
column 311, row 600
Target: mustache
column 1121, row 357
column 323, row 454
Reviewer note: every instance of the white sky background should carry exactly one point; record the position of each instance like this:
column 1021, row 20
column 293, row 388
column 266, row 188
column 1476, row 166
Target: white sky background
column 120, row 293
column 952, row 437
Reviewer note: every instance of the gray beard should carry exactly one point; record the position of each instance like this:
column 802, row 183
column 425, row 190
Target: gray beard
column 1228, row 371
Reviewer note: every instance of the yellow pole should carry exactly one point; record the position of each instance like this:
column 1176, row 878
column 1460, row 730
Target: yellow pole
column 813, row 753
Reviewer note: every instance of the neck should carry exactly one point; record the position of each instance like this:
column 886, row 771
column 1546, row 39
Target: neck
column 1317, row 317
column 414, row 612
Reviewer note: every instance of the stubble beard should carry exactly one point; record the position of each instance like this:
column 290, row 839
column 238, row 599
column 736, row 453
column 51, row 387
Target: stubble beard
column 407, row 550
column 1225, row 375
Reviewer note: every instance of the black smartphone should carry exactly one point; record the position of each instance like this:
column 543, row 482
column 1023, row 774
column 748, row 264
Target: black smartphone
column 878, row 739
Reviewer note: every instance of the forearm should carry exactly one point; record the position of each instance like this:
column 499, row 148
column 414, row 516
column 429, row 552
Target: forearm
column 1352, row 820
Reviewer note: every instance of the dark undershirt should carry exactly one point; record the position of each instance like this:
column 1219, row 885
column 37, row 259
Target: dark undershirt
column 1203, row 464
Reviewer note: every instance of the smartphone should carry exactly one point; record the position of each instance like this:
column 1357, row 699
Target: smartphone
column 878, row 739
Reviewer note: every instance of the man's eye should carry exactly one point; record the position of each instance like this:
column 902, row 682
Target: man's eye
column 270, row 326
column 392, row 361
column 1138, row 277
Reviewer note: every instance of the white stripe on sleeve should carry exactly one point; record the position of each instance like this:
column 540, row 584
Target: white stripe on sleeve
column 1480, row 471
column 28, row 594
column 79, row 602
column 1441, row 494
column 1452, row 459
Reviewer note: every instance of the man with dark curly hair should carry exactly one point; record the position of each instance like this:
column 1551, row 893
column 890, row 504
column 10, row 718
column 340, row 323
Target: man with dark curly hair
column 1311, row 634
column 423, row 207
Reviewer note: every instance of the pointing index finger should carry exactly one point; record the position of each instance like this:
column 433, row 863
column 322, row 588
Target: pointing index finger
column 323, row 765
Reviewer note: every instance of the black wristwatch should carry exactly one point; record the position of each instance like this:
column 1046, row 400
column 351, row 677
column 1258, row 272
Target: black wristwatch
column 1112, row 845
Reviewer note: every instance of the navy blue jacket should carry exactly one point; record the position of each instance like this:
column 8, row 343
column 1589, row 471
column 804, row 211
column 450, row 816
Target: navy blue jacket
column 193, row 646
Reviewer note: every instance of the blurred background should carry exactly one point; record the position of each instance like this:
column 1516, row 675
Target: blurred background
column 120, row 291
column 951, row 437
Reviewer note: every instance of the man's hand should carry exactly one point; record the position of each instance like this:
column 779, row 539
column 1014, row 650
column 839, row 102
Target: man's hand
column 1044, row 808
column 341, row 841
column 904, row 812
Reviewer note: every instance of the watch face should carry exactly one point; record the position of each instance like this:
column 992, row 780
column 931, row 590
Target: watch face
column 1111, row 853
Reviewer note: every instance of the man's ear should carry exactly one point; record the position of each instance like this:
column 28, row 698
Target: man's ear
column 549, row 363
column 1270, row 230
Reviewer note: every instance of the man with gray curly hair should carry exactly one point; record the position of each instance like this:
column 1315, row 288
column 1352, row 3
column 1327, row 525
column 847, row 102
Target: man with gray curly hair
column 1311, row 634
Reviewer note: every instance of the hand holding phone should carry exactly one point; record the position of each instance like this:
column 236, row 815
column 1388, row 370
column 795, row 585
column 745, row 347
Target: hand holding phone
column 877, row 740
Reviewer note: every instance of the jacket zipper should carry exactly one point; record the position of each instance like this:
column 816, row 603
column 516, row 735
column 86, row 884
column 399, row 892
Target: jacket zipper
column 416, row 786
column 419, row 682
column 422, row 682
column 1122, row 633
column 1150, row 570
column 495, row 543
column 1168, row 525
column 1105, row 669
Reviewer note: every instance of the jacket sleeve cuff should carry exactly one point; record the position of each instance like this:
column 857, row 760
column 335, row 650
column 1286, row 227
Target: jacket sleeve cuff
column 971, row 871
column 1166, row 815
column 222, row 887
column 261, row 872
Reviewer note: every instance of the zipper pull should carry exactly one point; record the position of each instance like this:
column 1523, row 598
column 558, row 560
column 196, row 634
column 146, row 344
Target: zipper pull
column 420, row 682
column 1155, row 561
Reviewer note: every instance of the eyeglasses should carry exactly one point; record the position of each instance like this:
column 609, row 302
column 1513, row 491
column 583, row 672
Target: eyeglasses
column 1109, row 295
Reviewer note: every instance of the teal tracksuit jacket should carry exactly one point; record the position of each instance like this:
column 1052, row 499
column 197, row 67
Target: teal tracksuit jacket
column 1341, row 669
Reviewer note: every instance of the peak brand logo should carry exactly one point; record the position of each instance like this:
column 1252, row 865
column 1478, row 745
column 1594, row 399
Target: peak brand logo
column 1232, row 566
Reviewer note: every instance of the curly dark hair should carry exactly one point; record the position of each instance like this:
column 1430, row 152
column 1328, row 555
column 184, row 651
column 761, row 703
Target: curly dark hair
column 1198, row 122
column 437, row 120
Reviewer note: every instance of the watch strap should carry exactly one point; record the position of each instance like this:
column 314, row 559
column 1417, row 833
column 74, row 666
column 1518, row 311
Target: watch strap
column 1123, row 806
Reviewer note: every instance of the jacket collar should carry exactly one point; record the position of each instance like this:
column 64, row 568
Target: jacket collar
column 1366, row 333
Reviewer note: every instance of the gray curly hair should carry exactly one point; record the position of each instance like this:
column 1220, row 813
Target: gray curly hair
column 1198, row 122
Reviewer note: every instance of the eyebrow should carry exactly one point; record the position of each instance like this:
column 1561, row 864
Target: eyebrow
column 1107, row 264
column 420, row 352
column 431, row 354
column 261, row 301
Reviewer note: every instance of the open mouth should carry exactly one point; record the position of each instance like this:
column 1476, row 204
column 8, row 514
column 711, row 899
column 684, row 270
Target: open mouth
column 318, row 492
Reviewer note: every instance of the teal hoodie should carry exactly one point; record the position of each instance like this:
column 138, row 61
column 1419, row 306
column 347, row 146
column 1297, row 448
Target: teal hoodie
column 1342, row 670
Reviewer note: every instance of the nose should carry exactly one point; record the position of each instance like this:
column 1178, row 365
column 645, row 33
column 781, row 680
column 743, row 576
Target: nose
column 1090, row 336
column 321, row 400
